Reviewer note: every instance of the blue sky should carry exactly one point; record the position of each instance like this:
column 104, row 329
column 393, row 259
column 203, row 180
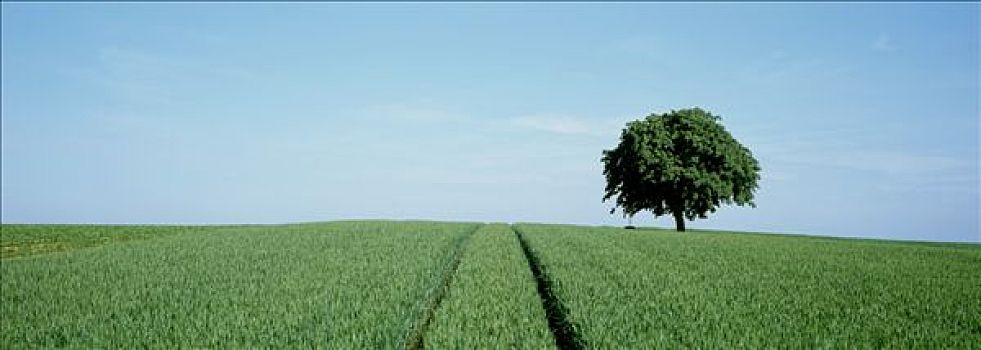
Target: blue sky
column 864, row 117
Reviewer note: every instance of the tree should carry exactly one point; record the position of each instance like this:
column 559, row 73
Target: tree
column 683, row 162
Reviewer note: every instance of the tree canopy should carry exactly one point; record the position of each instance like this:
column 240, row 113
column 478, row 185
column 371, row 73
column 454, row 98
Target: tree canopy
column 683, row 162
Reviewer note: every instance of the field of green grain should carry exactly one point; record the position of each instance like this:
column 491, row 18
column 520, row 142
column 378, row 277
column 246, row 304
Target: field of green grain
column 337, row 285
column 492, row 301
column 409, row 285
column 662, row 289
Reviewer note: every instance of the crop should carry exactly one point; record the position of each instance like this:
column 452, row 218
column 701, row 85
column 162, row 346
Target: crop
column 336, row 285
column 24, row 240
column 387, row 285
column 659, row 289
column 492, row 300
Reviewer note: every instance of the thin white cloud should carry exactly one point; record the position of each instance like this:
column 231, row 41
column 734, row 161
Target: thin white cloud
column 898, row 163
column 883, row 43
column 186, row 33
column 639, row 45
column 415, row 114
column 894, row 169
column 778, row 54
column 136, row 76
column 779, row 67
column 558, row 124
column 152, row 78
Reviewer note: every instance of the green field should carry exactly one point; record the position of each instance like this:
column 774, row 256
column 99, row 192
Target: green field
column 662, row 289
column 341, row 285
column 492, row 300
column 398, row 284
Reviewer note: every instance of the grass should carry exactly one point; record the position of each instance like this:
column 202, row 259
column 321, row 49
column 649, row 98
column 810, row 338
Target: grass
column 25, row 240
column 338, row 285
column 394, row 285
column 643, row 289
column 492, row 301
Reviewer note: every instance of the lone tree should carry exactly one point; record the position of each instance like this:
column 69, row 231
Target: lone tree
column 683, row 162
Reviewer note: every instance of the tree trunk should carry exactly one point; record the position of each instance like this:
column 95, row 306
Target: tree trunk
column 679, row 221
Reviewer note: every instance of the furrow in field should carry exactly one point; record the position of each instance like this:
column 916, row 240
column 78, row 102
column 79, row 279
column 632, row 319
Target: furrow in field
column 492, row 301
column 557, row 314
column 436, row 294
